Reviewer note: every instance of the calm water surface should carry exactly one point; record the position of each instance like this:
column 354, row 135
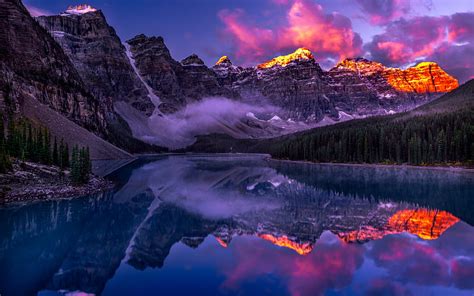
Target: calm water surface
column 227, row 225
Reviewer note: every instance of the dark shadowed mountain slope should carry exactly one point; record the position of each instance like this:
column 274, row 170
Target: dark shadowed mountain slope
column 32, row 63
column 34, row 66
column 99, row 57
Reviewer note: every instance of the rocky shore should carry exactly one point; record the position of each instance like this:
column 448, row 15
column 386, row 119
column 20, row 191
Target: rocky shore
column 29, row 182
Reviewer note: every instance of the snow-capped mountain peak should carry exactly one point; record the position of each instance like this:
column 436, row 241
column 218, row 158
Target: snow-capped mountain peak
column 80, row 9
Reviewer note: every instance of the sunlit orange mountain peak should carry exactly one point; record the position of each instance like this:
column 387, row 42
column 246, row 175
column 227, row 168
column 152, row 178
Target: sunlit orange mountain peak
column 299, row 54
column 425, row 77
column 360, row 65
column 224, row 60
column 80, row 9
column 426, row 224
column 284, row 241
column 422, row 78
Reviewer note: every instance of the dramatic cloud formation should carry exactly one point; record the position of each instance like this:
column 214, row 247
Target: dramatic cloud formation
column 442, row 262
column 329, row 36
column 384, row 11
column 331, row 265
column 447, row 40
column 35, row 11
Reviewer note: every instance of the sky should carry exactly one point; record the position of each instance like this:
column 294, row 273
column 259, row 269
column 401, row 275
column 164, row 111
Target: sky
column 397, row 33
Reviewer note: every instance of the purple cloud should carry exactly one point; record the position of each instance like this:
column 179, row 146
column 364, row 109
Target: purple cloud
column 447, row 40
column 306, row 24
column 384, row 11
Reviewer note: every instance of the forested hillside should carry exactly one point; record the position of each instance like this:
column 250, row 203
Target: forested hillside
column 440, row 132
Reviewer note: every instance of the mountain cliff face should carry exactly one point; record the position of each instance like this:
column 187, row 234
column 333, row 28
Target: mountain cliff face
column 98, row 55
column 424, row 78
column 296, row 86
column 105, row 67
column 354, row 88
column 32, row 64
column 177, row 84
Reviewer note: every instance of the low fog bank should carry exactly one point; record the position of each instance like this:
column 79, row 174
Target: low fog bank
column 210, row 115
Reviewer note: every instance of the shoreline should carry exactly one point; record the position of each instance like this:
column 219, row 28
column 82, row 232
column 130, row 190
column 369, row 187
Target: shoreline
column 270, row 158
column 379, row 165
column 52, row 193
column 32, row 182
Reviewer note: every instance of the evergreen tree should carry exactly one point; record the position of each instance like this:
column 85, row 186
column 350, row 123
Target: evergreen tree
column 75, row 167
column 5, row 164
column 55, row 152
column 434, row 139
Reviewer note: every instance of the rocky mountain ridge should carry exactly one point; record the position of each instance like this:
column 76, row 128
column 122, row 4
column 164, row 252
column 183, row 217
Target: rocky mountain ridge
column 67, row 80
column 138, row 81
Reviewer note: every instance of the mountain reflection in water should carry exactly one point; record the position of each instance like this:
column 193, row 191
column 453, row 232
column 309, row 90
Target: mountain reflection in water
column 244, row 225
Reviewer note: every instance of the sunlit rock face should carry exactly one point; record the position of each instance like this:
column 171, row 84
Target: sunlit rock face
column 300, row 54
column 369, row 87
column 427, row 224
column 80, row 9
column 424, row 223
column 224, row 60
column 360, row 65
column 426, row 77
column 226, row 72
column 284, row 241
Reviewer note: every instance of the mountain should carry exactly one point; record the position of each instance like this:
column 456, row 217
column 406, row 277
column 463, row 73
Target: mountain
column 38, row 81
column 98, row 55
column 136, row 92
column 440, row 132
column 301, row 93
column 33, row 64
column 176, row 83
column 283, row 61
column 102, row 62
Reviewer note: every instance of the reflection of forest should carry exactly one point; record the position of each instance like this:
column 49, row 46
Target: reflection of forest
column 440, row 189
column 78, row 244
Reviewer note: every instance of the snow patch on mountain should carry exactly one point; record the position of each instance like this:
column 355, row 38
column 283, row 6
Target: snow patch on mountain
column 154, row 98
column 275, row 118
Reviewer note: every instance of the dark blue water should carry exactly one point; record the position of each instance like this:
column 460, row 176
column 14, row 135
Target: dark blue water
column 242, row 225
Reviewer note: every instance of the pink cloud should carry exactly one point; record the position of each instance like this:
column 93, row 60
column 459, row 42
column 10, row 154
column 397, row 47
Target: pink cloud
column 331, row 265
column 306, row 25
column 36, row 11
column 251, row 41
column 445, row 261
column 447, row 40
column 463, row 272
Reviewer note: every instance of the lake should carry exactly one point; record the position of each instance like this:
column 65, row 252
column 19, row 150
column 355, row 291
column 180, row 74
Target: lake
column 246, row 225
